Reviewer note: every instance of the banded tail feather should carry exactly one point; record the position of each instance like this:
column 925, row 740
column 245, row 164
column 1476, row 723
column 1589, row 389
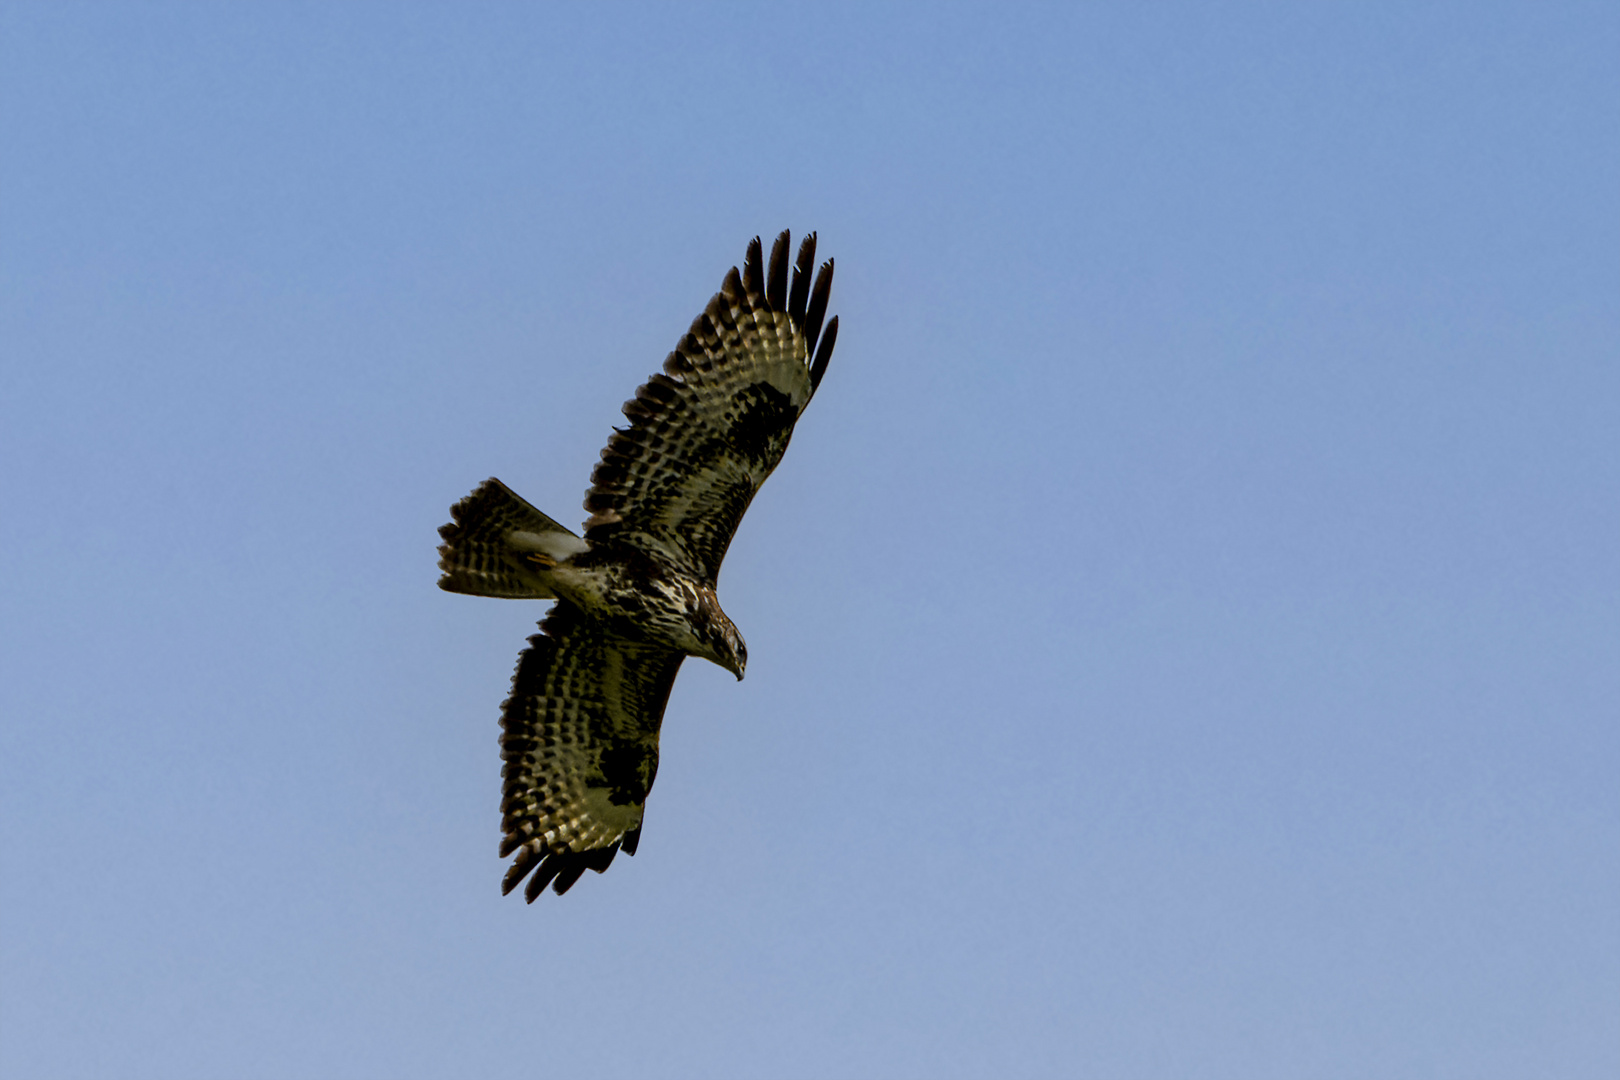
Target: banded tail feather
column 499, row 545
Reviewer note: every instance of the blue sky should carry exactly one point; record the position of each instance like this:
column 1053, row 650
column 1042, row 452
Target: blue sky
column 1183, row 635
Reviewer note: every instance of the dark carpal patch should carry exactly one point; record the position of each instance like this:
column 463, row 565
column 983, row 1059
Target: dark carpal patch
column 763, row 415
column 629, row 768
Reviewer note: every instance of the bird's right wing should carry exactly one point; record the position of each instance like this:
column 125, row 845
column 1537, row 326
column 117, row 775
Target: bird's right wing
column 706, row 433
column 580, row 742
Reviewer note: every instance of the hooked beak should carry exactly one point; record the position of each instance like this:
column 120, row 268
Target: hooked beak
column 729, row 661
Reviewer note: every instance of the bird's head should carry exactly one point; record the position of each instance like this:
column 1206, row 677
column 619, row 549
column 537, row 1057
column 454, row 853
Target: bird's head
column 730, row 650
column 717, row 635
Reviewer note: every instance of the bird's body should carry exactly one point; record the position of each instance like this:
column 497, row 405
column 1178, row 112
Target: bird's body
column 636, row 593
column 638, row 596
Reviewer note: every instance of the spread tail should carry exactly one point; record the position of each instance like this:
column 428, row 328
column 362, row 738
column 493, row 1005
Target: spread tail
column 499, row 545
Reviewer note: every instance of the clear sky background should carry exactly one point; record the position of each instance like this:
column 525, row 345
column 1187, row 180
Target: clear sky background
column 1184, row 635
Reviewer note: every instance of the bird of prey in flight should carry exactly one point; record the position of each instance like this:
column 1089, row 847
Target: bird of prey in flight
column 635, row 594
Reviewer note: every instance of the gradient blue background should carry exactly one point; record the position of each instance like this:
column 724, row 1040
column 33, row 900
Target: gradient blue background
column 1184, row 634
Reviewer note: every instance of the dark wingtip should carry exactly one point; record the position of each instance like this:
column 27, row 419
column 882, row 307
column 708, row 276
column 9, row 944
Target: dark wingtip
column 776, row 284
column 599, row 859
column 566, row 879
column 802, row 267
column 526, row 861
column 753, row 274
column 817, row 310
column 823, row 354
column 559, row 869
column 542, row 877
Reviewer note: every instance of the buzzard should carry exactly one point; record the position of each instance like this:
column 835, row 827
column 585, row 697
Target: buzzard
column 635, row 595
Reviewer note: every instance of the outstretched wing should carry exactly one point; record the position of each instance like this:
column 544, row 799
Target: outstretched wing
column 580, row 744
column 705, row 434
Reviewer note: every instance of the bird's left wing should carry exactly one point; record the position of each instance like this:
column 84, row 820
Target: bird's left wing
column 580, row 742
column 705, row 434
